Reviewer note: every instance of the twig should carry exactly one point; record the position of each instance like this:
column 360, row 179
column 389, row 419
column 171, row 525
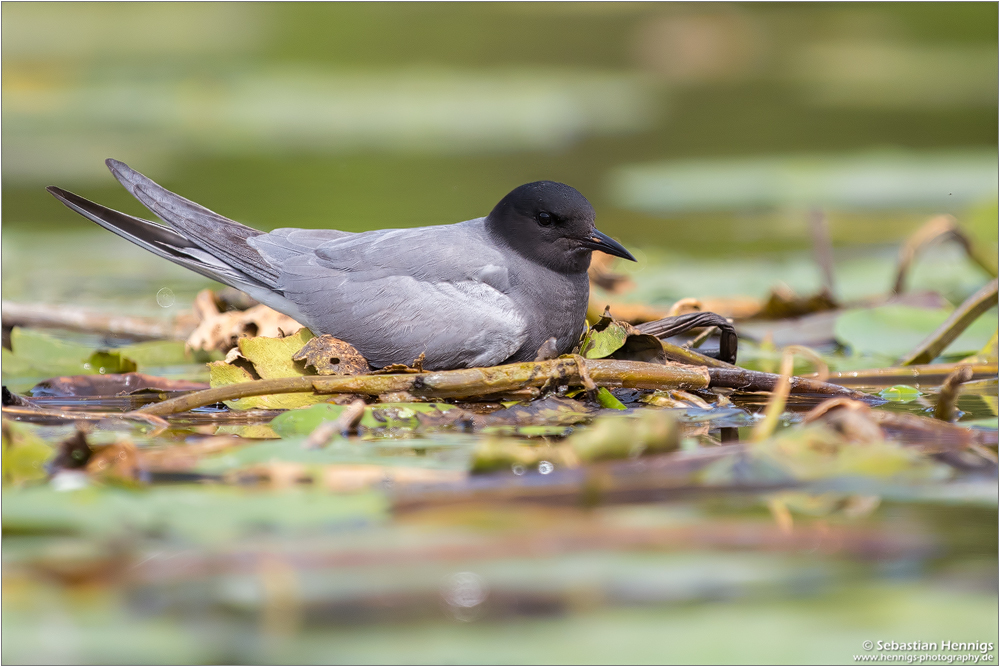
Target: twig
column 67, row 415
column 822, row 247
column 952, row 328
column 476, row 382
column 683, row 355
column 925, row 373
column 776, row 403
column 74, row 318
column 822, row 368
column 746, row 380
column 462, row 383
column 698, row 340
column 942, row 226
column 945, row 408
column 585, row 379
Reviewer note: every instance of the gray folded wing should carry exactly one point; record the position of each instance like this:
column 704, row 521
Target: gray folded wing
column 394, row 294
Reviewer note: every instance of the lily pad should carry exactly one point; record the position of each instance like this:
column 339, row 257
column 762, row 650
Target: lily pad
column 625, row 436
column 895, row 330
column 24, row 454
column 272, row 357
column 305, row 420
column 900, row 393
column 381, row 415
column 110, row 362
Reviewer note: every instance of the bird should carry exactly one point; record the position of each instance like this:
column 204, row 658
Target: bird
column 482, row 292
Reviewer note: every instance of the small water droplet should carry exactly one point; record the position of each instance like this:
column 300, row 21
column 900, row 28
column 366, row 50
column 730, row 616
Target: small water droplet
column 165, row 297
column 101, row 370
column 545, row 467
column 517, row 468
column 87, row 367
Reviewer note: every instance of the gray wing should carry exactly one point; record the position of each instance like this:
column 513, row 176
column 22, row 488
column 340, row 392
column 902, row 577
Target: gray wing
column 158, row 239
column 394, row 294
column 223, row 238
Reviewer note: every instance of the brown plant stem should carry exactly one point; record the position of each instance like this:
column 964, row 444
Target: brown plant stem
column 16, row 411
column 746, row 380
column 930, row 374
column 474, row 382
column 461, row 383
column 945, row 408
column 73, row 318
column 952, row 328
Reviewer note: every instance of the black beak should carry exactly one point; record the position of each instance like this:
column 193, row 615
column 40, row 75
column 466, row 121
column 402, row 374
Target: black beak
column 600, row 241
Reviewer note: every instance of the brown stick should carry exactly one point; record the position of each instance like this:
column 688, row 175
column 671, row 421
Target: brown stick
column 945, row 408
column 462, row 383
column 73, row 318
column 952, row 328
column 745, row 380
column 923, row 373
column 135, row 415
column 939, row 227
column 473, row 382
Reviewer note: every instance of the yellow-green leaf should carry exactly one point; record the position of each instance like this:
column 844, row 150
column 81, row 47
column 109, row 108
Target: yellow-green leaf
column 272, row 357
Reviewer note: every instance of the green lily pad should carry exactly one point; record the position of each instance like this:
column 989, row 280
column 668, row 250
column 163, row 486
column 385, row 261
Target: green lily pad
column 625, row 436
column 200, row 514
column 381, row 415
column 45, row 348
column 24, row 454
column 165, row 353
column 895, row 330
column 305, row 420
column 110, row 362
column 900, row 393
column 34, row 354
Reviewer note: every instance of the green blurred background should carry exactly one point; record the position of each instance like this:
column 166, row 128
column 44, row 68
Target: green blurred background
column 685, row 124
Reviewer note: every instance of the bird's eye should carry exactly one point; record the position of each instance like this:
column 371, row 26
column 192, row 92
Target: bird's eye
column 545, row 219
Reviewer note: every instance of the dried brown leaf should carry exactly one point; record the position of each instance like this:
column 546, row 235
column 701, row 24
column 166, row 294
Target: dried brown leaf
column 220, row 331
column 332, row 356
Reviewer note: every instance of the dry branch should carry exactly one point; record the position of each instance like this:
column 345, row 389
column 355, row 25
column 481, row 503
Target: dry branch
column 74, row 318
column 952, row 328
column 929, row 374
column 475, row 382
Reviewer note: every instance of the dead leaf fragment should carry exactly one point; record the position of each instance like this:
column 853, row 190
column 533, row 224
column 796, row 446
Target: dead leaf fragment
column 220, row 331
column 332, row 356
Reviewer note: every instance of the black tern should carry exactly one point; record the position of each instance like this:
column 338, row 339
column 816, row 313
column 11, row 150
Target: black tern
column 476, row 293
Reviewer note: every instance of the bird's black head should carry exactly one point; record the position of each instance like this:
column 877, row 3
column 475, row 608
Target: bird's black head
column 552, row 224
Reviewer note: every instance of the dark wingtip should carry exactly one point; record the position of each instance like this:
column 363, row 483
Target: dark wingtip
column 58, row 193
